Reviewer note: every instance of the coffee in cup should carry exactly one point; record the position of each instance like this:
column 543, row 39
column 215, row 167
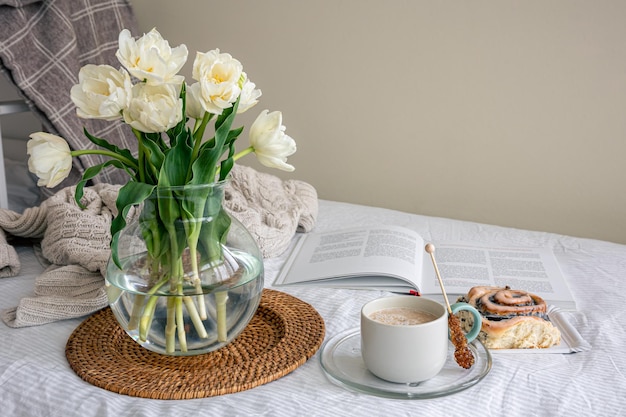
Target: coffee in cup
column 404, row 339
column 401, row 316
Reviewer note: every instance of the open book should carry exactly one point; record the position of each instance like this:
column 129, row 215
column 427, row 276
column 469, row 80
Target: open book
column 392, row 258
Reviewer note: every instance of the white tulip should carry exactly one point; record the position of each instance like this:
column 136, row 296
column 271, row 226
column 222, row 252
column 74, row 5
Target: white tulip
column 193, row 107
column 249, row 95
column 102, row 92
column 151, row 58
column 154, row 108
column 50, row 158
column 271, row 145
column 218, row 75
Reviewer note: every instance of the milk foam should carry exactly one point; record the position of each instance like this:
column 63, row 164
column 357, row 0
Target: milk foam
column 401, row 316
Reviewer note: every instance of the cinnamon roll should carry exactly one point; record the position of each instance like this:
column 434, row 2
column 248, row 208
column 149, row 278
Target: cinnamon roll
column 512, row 319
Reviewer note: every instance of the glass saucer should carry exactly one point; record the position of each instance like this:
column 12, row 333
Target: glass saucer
column 341, row 361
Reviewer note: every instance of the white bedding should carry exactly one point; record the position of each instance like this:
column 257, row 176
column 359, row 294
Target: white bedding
column 35, row 379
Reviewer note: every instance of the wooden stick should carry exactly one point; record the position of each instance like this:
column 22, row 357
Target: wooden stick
column 462, row 354
column 430, row 249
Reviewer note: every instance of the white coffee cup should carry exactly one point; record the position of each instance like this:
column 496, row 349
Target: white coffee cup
column 407, row 353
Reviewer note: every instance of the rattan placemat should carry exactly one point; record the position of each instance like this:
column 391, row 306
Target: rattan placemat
column 283, row 334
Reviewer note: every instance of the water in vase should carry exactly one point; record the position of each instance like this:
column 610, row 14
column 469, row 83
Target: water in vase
column 213, row 314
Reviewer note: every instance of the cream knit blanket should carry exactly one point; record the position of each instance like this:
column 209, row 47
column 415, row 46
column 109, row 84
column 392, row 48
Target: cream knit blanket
column 76, row 242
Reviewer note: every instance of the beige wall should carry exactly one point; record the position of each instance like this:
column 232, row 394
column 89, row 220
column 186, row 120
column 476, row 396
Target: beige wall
column 503, row 112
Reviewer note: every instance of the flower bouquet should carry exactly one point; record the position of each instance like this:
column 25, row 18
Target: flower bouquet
column 176, row 183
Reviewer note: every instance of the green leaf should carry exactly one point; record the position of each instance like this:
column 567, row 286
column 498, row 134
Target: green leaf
column 224, row 123
column 131, row 194
column 192, row 210
column 199, row 134
column 226, row 166
column 176, row 165
column 90, row 173
column 157, row 138
column 152, row 229
column 154, row 157
column 204, row 166
column 168, row 206
column 213, row 235
column 174, row 172
column 103, row 143
column 228, row 163
column 170, row 213
column 234, row 134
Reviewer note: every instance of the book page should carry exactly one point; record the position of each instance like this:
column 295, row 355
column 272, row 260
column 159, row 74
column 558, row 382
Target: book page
column 463, row 266
column 359, row 254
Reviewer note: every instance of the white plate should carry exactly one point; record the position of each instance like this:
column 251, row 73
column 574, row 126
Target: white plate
column 341, row 361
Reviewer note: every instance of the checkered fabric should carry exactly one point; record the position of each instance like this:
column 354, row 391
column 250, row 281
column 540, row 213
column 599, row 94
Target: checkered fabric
column 43, row 45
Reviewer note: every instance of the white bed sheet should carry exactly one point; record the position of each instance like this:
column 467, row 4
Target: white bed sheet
column 36, row 380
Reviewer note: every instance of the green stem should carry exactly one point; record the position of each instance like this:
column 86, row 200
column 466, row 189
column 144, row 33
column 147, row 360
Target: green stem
column 172, row 305
column 195, row 318
column 216, row 257
column 141, row 155
column 221, row 297
column 193, row 252
column 135, row 315
column 146, row 319
column 198, row 133
column 193, row 228
column 175, row 316
column 200, row 126
column 104, row 152
column 180, row 323
column 148, row 310
column 243, row 153
column 237, row 156
column 170, row 327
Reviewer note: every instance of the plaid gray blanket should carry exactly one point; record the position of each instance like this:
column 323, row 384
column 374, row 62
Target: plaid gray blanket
column 43, row 45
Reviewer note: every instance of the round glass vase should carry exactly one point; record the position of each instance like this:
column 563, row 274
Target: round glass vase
column 187, row 278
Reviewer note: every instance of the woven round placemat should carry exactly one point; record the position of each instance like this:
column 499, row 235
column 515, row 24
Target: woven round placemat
column 283, row 334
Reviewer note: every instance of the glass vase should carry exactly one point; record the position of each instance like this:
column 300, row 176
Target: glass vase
column 187, row 278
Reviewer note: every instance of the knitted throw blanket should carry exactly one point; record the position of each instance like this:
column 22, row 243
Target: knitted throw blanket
column 76, row 241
